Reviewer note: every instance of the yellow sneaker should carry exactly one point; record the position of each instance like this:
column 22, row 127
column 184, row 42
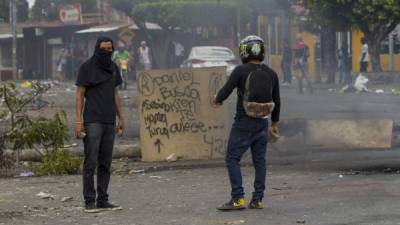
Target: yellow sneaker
column 234, row 204
column 256, row 204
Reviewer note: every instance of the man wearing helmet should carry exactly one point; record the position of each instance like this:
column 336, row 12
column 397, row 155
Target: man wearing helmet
column 258, row 86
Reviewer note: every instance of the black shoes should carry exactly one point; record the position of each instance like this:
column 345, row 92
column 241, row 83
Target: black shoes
column 91, row 208
column 108, row 207
column 99, row 207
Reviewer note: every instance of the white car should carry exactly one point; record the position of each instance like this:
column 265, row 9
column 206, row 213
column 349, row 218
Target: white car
column 211, row 56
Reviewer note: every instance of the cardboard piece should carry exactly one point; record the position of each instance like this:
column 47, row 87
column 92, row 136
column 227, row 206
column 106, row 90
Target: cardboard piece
column 176, row 114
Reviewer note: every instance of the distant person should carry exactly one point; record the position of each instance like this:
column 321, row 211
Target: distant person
column 122, row 57
column 179, row 51
column 340, row 65
column 301, row 54
column 364, row 56
column 286, row 64
column 121, row 53
column 347, row 65
column 258, row 95
column 98, row 99
column 144, row 56
column 61, row 64
column 70, row 65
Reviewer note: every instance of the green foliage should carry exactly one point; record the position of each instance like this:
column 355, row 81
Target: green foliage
column 375, row 18
column 57, row 162
column 47, row 133
column 123, row 5
column 170, row 14
column 24, row 131
column 366, row 15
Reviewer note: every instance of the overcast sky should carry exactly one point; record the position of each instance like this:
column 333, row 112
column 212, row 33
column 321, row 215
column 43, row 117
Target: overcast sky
column 31, row 2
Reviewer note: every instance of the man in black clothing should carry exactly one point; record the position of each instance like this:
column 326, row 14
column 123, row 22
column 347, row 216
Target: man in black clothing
column 286, row 64
column 97, row 96
column 248, row 132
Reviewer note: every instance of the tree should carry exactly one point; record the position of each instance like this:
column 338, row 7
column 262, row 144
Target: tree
column 375, row 18
column 23, row 10
column 174, row 15
column 4, row 10
column 123, row 5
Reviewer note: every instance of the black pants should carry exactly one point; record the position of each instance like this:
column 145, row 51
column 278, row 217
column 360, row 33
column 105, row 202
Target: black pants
column 98, row 145
column 287, row 72
column 363, row 67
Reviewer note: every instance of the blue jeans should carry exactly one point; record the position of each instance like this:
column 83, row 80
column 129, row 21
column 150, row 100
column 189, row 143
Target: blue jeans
column 247, row 133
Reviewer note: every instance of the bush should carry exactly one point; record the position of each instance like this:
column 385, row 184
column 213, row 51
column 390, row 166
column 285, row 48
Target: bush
column 57, row 162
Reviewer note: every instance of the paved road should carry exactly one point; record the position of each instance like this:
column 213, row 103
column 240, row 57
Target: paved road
column 353, row 188
column 304, row 186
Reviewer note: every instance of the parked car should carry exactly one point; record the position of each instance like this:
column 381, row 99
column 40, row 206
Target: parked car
column 211, row 56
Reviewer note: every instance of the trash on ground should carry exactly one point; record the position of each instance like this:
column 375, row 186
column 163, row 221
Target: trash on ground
column 71, row 145
column 136, row 171
column 379, row 91
column 172, row 158
column 301, row 221
column 361, row 83
column 156, row 177
column 26, row 174
column 26, row 84
column 66, row 199
column 340, row 176
column 44, row 195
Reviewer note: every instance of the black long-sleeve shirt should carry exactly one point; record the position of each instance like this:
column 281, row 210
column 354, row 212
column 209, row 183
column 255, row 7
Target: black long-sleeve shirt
column 238, row 80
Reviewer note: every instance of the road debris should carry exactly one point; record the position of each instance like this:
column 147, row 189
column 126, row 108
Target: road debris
column 172, row 158
column 26, row 174
column 136, row 171
column 44, row 195
column 66, row 199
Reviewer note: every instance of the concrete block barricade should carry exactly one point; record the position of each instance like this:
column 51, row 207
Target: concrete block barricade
column 177, row 116
column 350, row 134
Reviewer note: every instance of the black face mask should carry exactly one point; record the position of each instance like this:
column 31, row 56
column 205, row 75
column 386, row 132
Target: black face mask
column 103, row 57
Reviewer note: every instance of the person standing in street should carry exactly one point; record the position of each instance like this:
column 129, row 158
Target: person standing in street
column 340, row 65
column 97, row 106
column 179, row 51
column 286, row 64
column 144, row 56
column 364, row 56
column 258, row 96
column 301, row 54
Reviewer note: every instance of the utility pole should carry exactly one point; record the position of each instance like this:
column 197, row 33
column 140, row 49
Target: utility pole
column 13, row 24
column 391, row 52
column 238, row 21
